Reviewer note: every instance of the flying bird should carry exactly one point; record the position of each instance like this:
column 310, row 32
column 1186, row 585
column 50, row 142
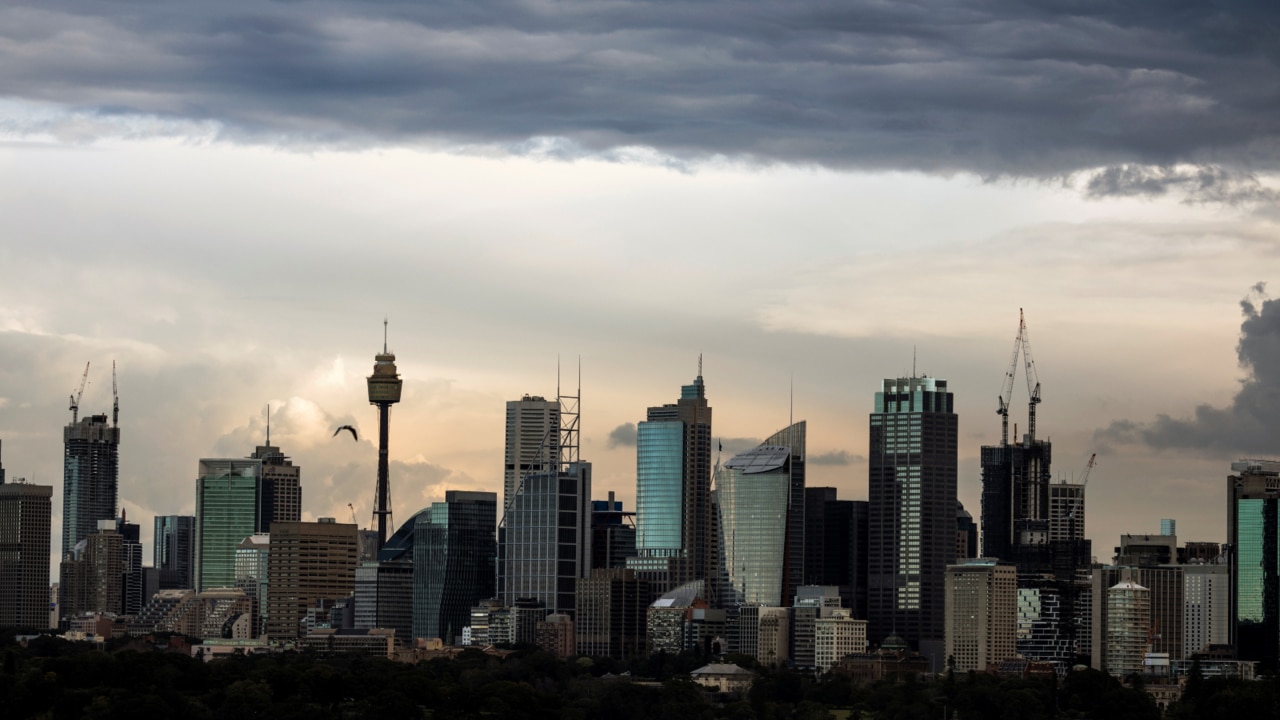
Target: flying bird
column 354, row 436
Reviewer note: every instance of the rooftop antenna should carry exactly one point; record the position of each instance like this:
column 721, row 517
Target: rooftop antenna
column 913, row 361
column 384, row 334
column 699, row 364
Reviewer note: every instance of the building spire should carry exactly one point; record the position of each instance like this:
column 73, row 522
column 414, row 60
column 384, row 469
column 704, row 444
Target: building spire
column 384, row 334
column 268, row 424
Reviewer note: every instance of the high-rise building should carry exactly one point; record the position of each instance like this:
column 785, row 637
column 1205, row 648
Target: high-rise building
column 92, row 577
column 982, row 614
column 1207, row 607
column 90, row 477
column 673, row 491
column 453, row 562
column 966, row 534
column 544, row 545
column 251, row 576
column 1015, row 503
column 912, row 512
column 133, row 583
column 281, row 484
column 1253, row 530
column 384, row 584
column 837, row 636
column 1127, row 628
column 308, row 563
column 835, row 546
column 174, row 550
column 613, row 534
column 754, row 498
column 1066, row 512
column 229, row 508
column 24, row 554
column 610, row 617
column 811, row 603
column 533, row 441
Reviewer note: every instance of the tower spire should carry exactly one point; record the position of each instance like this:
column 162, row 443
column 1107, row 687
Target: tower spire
column 268, row 424
column 384, row 334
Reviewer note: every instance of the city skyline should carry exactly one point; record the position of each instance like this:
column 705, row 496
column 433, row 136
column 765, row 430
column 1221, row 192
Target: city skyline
column 227, row 202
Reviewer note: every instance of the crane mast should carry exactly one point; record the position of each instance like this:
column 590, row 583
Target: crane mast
column 1006, row 392
column 115, row 398
column 1033, row 379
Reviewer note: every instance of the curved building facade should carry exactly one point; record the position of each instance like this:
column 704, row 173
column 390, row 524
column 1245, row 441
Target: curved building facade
column 751, row 498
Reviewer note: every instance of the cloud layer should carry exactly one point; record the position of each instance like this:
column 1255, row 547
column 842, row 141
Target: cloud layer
column 1251, row 422
column 994, row 87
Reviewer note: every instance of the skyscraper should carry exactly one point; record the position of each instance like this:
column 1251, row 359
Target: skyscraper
column 228, row 510
column 24, row 554
column 1253, row 527
column 544, row 543
column 533, row 441
column 90, row 477
column 912, row 523
column 307, row 563
column 835, row 546
column 982, row 614
column 673, row 491
column 174, row 551
column 453, row 562
column 281, row 483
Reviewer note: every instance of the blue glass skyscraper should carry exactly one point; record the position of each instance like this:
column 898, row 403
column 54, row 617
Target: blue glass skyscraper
column 453, row 563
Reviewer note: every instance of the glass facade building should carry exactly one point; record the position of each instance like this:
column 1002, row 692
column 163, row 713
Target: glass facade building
column 228, row 510
column 90, row 478
column 453, row 560
column 174, row 550
column 1253, row 524
column 912, row 512
column 751, row 499
column 674, row 534
column 544, row 545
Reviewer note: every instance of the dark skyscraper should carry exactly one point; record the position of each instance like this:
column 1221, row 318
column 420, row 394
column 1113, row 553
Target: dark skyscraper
column 673, row 491
column 24, row 554
column 912, row 512
column 1253, row 527
column 835, row 546
column 453, row 562
column 90, row 477
column 174, row 552
column 384, row 391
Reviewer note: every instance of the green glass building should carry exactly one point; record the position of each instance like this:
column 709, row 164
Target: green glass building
column 1253, row 522
column 228, row 510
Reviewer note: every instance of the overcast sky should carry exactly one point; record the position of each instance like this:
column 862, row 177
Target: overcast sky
column 226, row 200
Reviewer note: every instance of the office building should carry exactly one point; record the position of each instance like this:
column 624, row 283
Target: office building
column 25, row 510
column 811, row 603
column 90, row 477
column 229, row 508
column 912, row 512
column 966, row 534
column 1207, row 607
column 453, row 561
column 764, row 633
column 613, row 534
column 281, row 484
column 611, row 614
column 133, row 588
column 533, row 441
column 674, row 537
column 92, row 577
column 1253, row 532
column 544, row 546
column 308, row 564
column 385, row 581
column 174, row 550
column 556, row 635
column 751, row 500
column 1044, row 631
column 835, row 637
column 252, row 557
column 835, row 546
column 1015, row 503
column 982, row 614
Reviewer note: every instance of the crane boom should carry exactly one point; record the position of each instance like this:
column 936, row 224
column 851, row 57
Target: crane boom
column 1033, row 378
column 1006, row 392
column 115, row 398
column 75, row 399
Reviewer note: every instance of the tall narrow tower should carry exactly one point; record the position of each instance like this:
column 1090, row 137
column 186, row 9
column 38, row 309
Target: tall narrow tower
column 384, row 391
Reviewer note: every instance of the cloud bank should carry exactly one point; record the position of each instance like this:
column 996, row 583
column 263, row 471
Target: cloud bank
column 994, row 87
column 1251, row 423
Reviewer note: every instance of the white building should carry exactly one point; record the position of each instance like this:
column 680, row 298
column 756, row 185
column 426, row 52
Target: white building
column 836, row 636
column 1207, row 607
column 981, row 614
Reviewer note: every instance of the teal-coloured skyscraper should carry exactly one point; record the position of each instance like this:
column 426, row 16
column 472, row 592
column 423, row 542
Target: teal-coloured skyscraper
column 1253, row 527
column 453, row 562
column 90, row 477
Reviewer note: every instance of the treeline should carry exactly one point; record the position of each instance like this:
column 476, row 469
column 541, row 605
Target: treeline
column 52, row 678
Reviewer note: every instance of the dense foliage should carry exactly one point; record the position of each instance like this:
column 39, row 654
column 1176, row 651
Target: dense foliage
column 53, row 678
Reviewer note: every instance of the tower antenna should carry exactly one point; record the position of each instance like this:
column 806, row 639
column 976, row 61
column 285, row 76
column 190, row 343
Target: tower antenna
column 268, row 424
column 384, row 334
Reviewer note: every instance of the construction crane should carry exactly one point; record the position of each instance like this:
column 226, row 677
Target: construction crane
column 115, row 398
column 75, row 399
column 1006, row 392
column 1033, row 379
column 354, row 521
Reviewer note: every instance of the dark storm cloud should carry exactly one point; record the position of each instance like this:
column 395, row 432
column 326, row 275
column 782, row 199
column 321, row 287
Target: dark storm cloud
column 991, row 86
column 623, row 436
column 1205, row 183
column 1251, row 423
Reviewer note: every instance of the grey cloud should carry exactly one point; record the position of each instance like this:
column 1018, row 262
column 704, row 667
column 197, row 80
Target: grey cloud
column 835, row 457
column 623, row 436
column 1251, row 422
column 990, row 86
column 731, row 446
column 1203, row 184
